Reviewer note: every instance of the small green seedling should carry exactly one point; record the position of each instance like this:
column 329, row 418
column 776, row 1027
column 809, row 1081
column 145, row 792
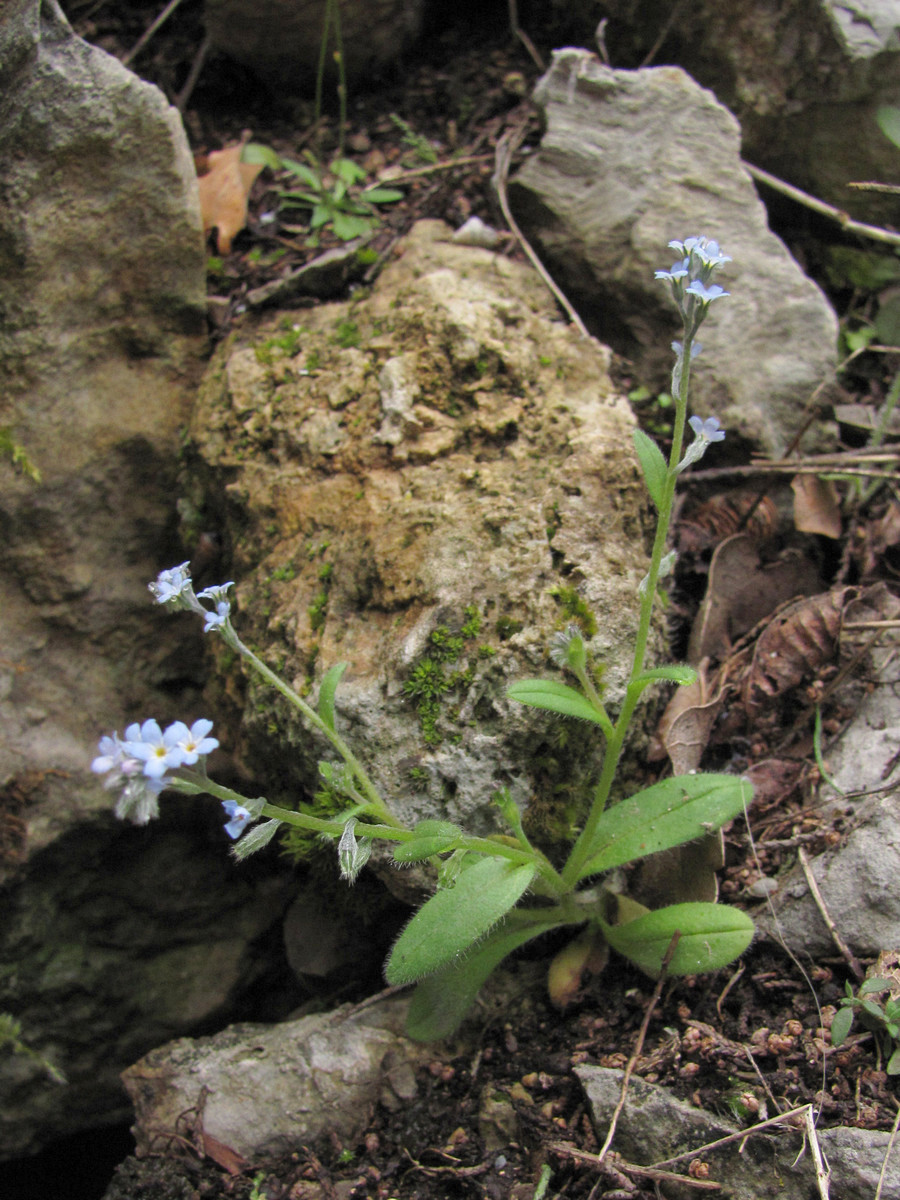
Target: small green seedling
column 881, row 1016
column 337, row 196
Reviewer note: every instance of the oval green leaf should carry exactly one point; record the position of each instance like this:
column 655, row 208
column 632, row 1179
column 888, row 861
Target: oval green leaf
column 455, row 919
column 327, row 689
column 431, row 837
column 555, row 697
column 653, row 464
column 679, row 673
column 712, row 936
column 667, row 814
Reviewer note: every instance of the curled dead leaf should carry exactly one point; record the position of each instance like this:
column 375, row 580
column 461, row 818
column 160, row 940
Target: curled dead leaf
column 224, row 192
column 685, row 725
column 817, row 507
column 795, row 645
column 742, row 591
column 721, row 516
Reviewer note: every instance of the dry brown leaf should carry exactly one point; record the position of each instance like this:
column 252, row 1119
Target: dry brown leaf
column 721, row 516
column 225, row 1156
column 224, row 191
column 817, row 507
column 685, row 725
column 742, row 591
column 795, row 645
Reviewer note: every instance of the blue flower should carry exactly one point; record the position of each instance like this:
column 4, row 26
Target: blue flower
column 240, row 817
column 156, row 750
column 679, row 271
column 215, row 620
column 193, row 742
column 172, row 585
column 115, row 761
column 709, row 430
column 696, row 349
column 705, row 293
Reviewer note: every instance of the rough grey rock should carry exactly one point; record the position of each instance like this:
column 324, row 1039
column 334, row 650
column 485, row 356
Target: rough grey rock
column 467, row 449
column 280, row 40
column 102, row 337
column 805, row 80
column 770, row 1166
column 858, row 878
column 630, row 160
column 265, row 1089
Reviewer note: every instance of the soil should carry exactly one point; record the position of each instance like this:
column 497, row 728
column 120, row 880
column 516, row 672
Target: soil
column 739, row 1043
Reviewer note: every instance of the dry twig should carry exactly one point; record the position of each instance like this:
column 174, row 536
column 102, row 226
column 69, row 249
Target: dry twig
column 848, row 955
column 638, row 1046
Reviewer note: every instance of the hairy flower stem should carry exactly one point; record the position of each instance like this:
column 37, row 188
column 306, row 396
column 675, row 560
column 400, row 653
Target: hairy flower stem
column 197, row 783
column 374, row 802
column 615, row 741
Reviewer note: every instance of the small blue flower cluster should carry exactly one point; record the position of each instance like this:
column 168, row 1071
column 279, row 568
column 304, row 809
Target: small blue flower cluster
column 690, row 282
column 138, row 762
column 174, row 587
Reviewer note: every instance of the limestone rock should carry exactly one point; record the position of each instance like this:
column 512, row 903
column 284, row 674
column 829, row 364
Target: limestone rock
column 442, row 460
column 630, row 160
column 265, row 1089
column 655, row 1126
column 805, row 80
column 280, row 40
column 102, row 337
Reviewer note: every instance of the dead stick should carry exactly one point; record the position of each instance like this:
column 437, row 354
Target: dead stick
column 887, row 1155
column 629, row 1168
column 149, row 32
column 639, row 1045
column 847, row 953
column 735, row 1137
column 506, row 147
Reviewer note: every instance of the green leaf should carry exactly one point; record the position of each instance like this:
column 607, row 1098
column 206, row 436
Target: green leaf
column 256, row 152
column 712, row 935
column 679, row 673
column 667, row 814
column 327, row 689
column 348, row 227
column 348, row 171
column 841, row 1024
column 888, row 119
column 555, row 697
column 303, row 172
column 876, row 984
column 893, row 1063
column 381, row 195
column 440, row 1002
column 254, row 839
column 653, row 464
column 452, row 921
column 431, row 837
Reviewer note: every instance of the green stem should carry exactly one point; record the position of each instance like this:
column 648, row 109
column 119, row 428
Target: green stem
column 373, row 798
column 581, row 851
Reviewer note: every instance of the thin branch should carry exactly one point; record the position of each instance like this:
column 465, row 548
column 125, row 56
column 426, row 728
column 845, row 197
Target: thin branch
column 639, row 1045
column 847, row 954
column 149, row 32
column 823, row 1171
column 827, row 210
column 887, row 1155
column 788, row 1117
column 506, row 147
column 629, row 1168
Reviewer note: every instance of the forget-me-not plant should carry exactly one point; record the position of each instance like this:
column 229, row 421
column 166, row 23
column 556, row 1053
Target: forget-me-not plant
column 493, row 893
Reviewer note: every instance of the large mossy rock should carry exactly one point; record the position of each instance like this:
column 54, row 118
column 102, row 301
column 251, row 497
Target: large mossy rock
column 425, row 483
